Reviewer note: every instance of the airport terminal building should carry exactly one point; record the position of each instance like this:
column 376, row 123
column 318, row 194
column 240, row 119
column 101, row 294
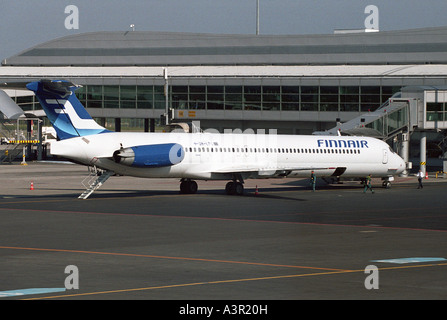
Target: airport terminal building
column 297, row 84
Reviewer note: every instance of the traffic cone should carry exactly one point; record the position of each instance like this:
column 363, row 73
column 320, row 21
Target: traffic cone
column 426, row 175
column 256, row 191
column 32, row 186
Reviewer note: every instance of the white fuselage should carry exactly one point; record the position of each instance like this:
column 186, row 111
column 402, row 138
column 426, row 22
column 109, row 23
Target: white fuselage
column 210, row 156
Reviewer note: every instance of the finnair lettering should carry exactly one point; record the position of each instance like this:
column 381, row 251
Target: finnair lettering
column 327, row 143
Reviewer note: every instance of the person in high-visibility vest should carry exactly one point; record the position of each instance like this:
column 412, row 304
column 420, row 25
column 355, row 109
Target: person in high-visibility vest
column 368, row 184
column 313, row 180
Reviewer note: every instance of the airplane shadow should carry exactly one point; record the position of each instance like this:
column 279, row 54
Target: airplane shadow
column 131, row 193
column 271, row 192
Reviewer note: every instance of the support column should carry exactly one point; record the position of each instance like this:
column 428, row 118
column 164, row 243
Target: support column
column 405, row 151
column 152, row 125
column 117, row 124
column 423, row 155
column 39, row 145
column 29, row 129
column 146, row 125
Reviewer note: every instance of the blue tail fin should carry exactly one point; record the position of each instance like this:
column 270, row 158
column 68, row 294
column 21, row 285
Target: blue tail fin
column 63, row 109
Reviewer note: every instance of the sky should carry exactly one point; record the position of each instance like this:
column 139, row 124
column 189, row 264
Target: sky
column 26, row 23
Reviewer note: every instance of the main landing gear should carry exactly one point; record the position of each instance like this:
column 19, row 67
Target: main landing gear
column 235, row 187
column 188, row 186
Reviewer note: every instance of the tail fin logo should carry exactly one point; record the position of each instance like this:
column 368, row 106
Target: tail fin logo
column 65, row 112
column 71, row 113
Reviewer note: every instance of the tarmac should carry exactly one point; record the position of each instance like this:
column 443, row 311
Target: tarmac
column 139, row 239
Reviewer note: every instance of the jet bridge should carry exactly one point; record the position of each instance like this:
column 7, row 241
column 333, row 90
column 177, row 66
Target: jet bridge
column 384, row 123
column 392, row 120
column 415, row 108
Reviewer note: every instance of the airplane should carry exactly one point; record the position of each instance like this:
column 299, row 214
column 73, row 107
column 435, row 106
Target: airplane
column 205, row 156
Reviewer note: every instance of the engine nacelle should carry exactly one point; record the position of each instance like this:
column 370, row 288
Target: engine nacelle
column 152, row 155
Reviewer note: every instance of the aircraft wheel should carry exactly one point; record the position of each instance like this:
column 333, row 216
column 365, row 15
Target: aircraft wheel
column 386, row 184
column 239, row 189
column 193, row 187
column 188, row 187
column 234, row 188
column 229, row 188
column 183, row 187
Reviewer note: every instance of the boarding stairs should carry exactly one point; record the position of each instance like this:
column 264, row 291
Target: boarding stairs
column 10, row 152
column 94, row 181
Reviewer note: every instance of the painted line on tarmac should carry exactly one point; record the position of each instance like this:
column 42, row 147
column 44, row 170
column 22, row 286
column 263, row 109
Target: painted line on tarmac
column 411, row 260
column 196, row 284
column 232, row 281
column 173, row 258
column 23, row 292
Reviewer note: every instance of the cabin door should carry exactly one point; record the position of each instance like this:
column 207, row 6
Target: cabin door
column 385, row 156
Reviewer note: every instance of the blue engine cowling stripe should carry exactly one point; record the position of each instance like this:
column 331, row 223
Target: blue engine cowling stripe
column 158, row 155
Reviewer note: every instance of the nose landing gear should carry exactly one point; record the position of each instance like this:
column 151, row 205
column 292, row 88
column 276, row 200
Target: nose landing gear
column 386, row 182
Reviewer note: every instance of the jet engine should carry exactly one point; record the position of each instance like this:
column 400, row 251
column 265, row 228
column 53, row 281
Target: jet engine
column 151, row 156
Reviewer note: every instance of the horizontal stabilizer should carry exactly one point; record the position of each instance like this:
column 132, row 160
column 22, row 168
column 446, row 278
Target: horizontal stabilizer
column 8, row 107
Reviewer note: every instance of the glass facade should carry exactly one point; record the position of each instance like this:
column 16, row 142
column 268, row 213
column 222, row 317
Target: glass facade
column 436, row 111
column 233, row 97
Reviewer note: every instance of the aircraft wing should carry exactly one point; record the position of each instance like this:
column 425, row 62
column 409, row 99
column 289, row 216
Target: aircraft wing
column 271, row 171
